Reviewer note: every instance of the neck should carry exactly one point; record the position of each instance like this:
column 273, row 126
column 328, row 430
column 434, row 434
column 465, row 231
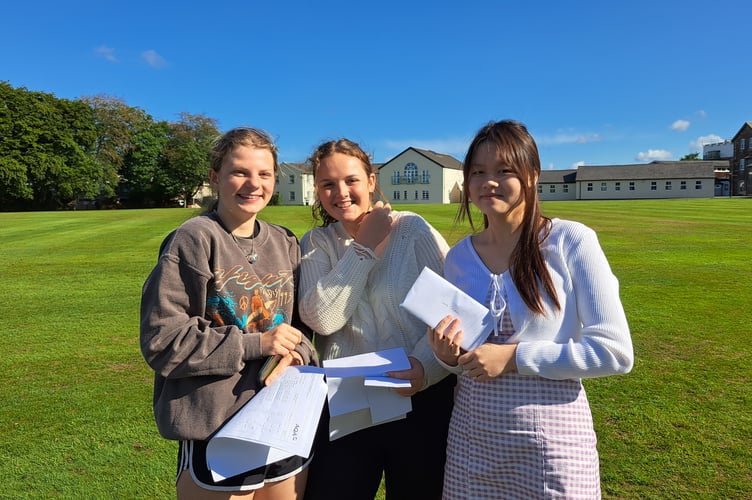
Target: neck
column 242, row 229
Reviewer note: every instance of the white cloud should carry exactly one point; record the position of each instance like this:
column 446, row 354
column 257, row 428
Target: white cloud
column 654, row 154
column 568, row 138
column 697, row 144
column 702, row 114
column 578, row 164
column 153, row 59
column 453, row 147
column 680, row 125
column 107, row 53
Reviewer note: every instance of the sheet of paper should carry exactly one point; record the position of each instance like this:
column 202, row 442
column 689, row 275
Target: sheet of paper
column 368, row 364
column 278, row 422
column 385, row 382
column 360, row 395
column 432, row 297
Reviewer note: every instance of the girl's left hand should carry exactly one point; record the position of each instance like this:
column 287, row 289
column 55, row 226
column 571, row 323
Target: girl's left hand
column 416, row 375
column 489, row 360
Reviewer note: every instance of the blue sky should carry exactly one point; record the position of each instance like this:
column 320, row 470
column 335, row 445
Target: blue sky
column 596, row 82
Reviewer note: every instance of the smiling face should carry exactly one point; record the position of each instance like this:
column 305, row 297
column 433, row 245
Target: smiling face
column 493, row 186
column 344, row 189
column 244, row 184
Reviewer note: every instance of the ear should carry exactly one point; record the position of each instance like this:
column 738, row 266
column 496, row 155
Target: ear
column 371, row 183
column 213, row 178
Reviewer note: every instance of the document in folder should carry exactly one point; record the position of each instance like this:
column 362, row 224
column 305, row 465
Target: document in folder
column 360, row 395
column 432, row 297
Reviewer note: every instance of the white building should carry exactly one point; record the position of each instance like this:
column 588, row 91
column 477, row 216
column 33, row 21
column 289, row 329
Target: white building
column 295, row 184
column 659, row 179
column 421, row 176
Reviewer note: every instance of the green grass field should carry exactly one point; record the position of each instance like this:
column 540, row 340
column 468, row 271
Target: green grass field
column 75, row 409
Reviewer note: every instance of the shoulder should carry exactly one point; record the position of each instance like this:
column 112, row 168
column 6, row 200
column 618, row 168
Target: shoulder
column 410, row 221
column 195, row 231
column 460, row 249
column 569, row 230
column 277, row 231
column 318, row 236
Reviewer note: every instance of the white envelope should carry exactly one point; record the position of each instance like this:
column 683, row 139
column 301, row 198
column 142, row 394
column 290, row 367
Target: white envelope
column 432, row 297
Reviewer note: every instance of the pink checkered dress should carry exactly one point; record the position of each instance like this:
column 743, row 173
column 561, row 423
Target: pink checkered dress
column 521, row 437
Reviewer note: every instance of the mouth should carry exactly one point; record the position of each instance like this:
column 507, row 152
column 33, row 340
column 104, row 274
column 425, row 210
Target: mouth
column 344, row 204
column 250, row 197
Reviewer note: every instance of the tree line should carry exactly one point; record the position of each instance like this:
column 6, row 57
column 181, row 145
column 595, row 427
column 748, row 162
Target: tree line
column 96, row 152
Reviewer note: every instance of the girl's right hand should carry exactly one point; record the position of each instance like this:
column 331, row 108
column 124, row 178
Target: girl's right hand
column 280, row 340
column 445, row 340
column 375, row 225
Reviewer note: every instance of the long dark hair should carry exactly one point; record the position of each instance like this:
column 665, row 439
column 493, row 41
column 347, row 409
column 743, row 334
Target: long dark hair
column 517, row 151
column 326, row 149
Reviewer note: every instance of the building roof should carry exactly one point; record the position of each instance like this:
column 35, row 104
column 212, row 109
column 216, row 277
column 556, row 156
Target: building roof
column 444, row 161
column 747, row 125
column 303, row 168
column 557, row 177
column 654, row 170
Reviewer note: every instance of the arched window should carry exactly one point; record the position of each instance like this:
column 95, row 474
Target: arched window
column 411, row 173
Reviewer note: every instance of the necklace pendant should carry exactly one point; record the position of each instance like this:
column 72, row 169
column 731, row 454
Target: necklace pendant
column 252, row 257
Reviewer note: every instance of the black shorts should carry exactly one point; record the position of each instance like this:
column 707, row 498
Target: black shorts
column 192, row 457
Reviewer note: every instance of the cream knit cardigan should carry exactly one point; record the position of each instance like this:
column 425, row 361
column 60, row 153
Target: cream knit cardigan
column 351, row 298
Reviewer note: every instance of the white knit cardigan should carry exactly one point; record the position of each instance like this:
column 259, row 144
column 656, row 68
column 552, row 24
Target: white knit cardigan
column 351, row 298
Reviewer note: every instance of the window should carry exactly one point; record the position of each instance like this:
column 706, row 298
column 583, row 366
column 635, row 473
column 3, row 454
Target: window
column 292, row 196
column 540, row 188
column 589, row 186
column 395, row 177
column 565, row 188
column 631, row 186
column 425, row 177
column 653, row 186
column 292, row 179
column 742, row 164
column 617, row 186
column 683, row 185
column 552, row 188
column 416, row 194
column 668, row 185
column 425, row 194
column 743, row 144
column 395, row 195
column 698, row 184
column 603, row 186
column 411, row 173
column 405, row 195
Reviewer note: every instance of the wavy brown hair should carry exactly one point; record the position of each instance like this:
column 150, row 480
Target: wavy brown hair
column 517, row 151
column 346, row 147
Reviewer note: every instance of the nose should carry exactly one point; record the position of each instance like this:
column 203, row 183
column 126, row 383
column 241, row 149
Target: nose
column 340, row 188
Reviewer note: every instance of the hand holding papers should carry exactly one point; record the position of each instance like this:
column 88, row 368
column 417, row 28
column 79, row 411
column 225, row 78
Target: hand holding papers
column 358, row 397
column 432, row 297
column 278, row 422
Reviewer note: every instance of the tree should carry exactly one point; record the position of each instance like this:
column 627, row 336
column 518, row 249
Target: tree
column 186, row 159
column 116, row 124
column 691, row 157
column 139, row 179
column 46, row 150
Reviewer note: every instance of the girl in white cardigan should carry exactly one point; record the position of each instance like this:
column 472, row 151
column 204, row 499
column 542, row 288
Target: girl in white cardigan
column 521, row 425
column 355, row 271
